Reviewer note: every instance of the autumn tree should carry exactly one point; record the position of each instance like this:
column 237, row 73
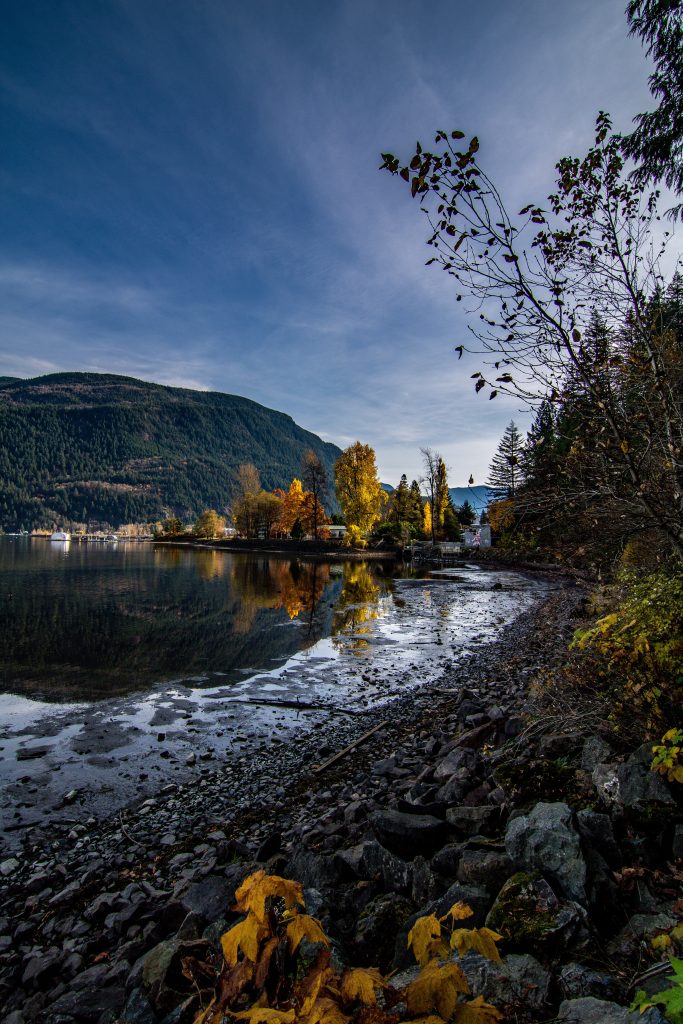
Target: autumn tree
column 436, row 486
column 248, row 479
column 314, row 479
column 208, row 525
column 172, row 526
column 538, row 278
column 505, row 468
column 359, row 491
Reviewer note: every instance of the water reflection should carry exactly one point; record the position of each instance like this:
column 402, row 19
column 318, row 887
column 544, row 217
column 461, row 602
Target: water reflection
column 91, row 622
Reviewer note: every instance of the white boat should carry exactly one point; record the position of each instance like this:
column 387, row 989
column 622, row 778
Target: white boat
column 60, row 535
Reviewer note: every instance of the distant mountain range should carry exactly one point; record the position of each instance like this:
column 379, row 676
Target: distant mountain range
column 89, row 447
column 478, row 497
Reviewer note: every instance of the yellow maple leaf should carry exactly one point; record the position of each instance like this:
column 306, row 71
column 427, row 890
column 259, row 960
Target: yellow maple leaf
column 304, row 927
column 245, row 935
column 458, row 912
column 481, row 940
column 359, row 985
column 424, row 938
column 257, row 888
column 325, row 1011
column 661, row 941
column 264, row 1015
column 476, row 1011
column 436, row 988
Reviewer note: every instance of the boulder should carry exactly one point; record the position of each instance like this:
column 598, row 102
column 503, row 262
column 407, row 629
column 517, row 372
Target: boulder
column 370, row 860
column 377, row 927
column 529, row 916
column 517, row 983
column 576, row 981
column 210, row 898
column 486, row 867
column 475, row 897
column 599, row 1011
column 408, row 834
column 162, row 975
column 460, row 758
column 474, row 821
column 546, row 840
column 632, row 788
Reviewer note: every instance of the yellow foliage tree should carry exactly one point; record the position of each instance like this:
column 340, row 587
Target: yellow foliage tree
column 427, row 519
column 502, row 515
column 358, row 488
column 208, row 525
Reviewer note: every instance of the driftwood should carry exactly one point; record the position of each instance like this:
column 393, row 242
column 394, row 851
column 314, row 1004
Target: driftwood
column 297, row 705
column 347, row 750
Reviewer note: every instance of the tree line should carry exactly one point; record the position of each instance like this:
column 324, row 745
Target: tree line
column 369, row 513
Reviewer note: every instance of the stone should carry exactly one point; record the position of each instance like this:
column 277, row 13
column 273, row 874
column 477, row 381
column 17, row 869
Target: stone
column 529, row 916
column 632, row 787
column 377, row 926
column 576, row 981
column 475, row 897
column 9, row 866
column 596, row 831
column 677, row 843
column 473, row 821
column 162, row 974
column 446, row 860
column 598, row 1011
column 546, row 840
column 138, row 1009
column 459, row 758
column 90, row 1005
column 370, row 860
column 210, row 898
column 408, row 835
column 595, row 751
column 313, row 870
column 40, row 968
column 488, row 868
column 516, row 982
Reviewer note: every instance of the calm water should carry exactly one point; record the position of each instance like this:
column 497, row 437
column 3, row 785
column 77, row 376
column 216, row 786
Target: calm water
column 125, row 667
column 88, row 621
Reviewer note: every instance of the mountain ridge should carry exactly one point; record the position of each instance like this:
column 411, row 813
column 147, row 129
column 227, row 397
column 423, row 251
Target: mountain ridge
column 86, row 447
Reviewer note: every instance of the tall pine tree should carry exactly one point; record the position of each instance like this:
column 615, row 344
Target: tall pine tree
column 505, row 472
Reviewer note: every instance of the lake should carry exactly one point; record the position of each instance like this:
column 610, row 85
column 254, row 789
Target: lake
column 121, row 665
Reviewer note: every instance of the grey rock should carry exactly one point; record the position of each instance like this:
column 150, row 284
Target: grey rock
column 488, row 868
column 408, row 835
column 475, row 897
column 677, row 844
column 138, row 1009
column 210, row 898
column 518, row 980
column 595, row 751
column 425, row 884
column 90, row 1005
column 162, row 973
column 576, row 981
column 596, row 830
column 41, row 967
column 632, row 787
column 446, row 860
column 472, row 821
column 529, row 916
column 377, row 927
column 599, row 1011
column 458, row 759
column 9, row 866
column 546, row 840
column 370, row 860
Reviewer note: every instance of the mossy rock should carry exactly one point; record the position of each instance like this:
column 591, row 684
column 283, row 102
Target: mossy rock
column 531, row 918
column 528, row 781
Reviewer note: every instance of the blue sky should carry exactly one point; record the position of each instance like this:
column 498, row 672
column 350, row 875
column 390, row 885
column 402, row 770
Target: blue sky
column 191, row 194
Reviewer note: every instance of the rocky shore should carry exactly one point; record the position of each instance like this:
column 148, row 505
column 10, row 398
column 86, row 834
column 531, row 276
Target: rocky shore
column 569, row 849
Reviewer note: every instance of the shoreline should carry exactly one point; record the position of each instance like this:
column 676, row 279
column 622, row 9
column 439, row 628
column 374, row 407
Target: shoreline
column 426, row 811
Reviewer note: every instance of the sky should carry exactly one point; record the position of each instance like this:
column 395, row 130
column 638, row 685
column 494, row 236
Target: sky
column 191, row 194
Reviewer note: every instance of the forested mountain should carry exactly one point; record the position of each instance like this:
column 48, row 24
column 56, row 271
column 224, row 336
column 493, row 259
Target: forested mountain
column 80, row 447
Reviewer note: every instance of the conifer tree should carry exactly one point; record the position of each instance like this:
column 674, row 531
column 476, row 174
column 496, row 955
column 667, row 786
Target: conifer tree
column 505, row 470
column 415, row 515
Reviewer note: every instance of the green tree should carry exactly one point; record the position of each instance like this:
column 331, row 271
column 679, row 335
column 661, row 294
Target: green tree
column 542, row 276
column 359, row 491
column 466, row 514
column 505, row 468
column 656, row 145
column 172, row 526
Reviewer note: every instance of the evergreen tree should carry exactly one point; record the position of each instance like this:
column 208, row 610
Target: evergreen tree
column 466, row 514
column 505, row 470
column 415, row 514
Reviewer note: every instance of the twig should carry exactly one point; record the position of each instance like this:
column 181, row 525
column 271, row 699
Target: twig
column 347, row 750
column 127, row 834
